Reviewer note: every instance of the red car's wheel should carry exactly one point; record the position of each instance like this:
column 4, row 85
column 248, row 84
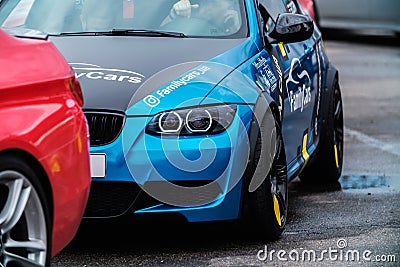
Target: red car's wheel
column 24, row 216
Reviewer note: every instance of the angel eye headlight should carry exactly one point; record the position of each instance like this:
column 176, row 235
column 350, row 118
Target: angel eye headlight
column 193, row 121
column 170, row 122
column 199, row 121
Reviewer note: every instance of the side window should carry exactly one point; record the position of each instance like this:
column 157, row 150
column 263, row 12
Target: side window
column 268, row 11
column 291, row 6
column 266, row 24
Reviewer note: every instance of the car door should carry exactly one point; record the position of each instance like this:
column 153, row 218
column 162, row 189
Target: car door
column 299, row 67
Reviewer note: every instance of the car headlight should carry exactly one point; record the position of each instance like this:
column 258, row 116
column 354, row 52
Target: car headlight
column 192, row 121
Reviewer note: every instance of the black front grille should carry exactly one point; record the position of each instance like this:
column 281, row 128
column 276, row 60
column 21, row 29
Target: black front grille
column 104, row 127
column 110, row 199
column 116, row 198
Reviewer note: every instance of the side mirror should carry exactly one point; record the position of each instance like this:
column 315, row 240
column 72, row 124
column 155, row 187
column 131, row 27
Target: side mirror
column 291, row 28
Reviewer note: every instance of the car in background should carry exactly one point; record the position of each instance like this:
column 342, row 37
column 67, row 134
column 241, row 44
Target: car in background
column 359, row 14
column 44, row 158
column 309, row 8
column 208, row 117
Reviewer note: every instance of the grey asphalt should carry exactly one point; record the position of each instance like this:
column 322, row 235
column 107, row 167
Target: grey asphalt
column 360, row 216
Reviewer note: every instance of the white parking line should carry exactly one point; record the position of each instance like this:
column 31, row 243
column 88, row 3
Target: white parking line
column 372, row 142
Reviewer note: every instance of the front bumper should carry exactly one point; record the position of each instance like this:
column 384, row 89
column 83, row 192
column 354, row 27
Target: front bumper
column 209, row 170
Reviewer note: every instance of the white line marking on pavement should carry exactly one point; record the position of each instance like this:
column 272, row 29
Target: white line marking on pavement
column 372, row 142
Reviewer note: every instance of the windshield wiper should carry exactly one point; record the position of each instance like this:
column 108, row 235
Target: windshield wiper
column 122, row 32
column 80, row 33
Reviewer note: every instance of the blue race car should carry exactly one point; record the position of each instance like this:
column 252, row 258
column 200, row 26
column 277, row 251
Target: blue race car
column 203, row 108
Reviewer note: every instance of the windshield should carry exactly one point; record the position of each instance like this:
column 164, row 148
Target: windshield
column 202, row 18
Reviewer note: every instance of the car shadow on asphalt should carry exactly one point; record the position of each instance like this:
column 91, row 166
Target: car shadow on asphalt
column 166, row 233
column 154, row 234
column 296, row 187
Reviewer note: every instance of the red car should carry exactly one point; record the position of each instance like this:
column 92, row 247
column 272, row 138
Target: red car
column 309, row 7
column 44, row 160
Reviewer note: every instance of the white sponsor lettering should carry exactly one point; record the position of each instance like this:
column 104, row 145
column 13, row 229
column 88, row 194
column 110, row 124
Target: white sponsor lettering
column 95, row 75
column 301, row 96
column 172, row 86
column 259, row 62
column 278, row 69
column 95, row 72
column 265, row 77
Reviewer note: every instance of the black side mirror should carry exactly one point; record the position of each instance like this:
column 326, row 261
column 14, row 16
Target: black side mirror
column 291, row 28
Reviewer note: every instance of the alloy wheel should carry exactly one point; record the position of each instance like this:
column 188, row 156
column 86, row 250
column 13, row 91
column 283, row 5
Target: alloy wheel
column 22, row 222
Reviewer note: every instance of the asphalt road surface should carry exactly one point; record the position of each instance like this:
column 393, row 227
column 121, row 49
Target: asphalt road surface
column 353, row 223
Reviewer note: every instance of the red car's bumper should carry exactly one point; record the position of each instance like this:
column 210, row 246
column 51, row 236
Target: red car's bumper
column 69, row 167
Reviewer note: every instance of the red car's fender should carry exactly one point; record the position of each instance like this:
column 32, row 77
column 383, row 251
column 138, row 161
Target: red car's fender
column 41, row 117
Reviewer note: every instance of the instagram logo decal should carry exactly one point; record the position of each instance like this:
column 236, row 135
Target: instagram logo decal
column 151, row 101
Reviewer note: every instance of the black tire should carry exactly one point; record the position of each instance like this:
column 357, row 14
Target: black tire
column 326, row 166
column 29, row 218
column 268, row 204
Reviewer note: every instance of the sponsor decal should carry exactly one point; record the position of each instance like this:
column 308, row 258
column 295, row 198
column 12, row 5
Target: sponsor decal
column 319, row 88
column 151, row 101
column 301, row 95
column 260, row 62
column 278, row 69
column 300, row 98
column 282, row 48
column 266, row 79
column 95, row 72
column 154, row 99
